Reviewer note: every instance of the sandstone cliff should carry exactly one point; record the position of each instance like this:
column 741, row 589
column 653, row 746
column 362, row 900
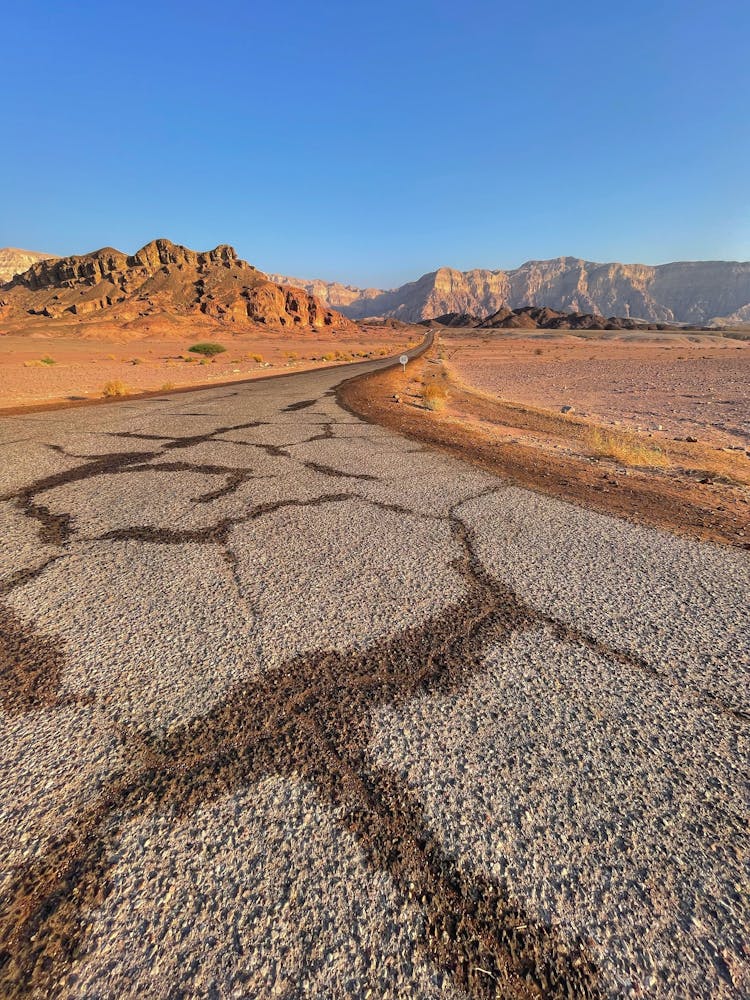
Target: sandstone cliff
column 697, row 292
column 161, row 279
column 14, row 261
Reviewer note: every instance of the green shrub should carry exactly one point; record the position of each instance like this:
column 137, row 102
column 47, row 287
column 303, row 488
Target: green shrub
column 208, row 349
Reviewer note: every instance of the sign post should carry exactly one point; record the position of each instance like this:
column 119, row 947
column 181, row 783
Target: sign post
column 403, row 359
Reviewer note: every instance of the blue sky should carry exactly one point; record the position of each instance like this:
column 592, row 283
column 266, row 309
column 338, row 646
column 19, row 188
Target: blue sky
column 373, row 142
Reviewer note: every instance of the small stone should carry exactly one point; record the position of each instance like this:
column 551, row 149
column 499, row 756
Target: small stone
column 691, row 440
column 567, row 409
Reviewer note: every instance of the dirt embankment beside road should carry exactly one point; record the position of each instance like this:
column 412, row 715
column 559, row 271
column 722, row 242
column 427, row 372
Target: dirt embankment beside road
column 697, row 488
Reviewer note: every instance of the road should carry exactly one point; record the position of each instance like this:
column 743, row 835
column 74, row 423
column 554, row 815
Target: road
column 295, row 707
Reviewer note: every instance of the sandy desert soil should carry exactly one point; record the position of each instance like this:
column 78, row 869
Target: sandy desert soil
column 82, row 366
column 692, row 384
column 694, row 482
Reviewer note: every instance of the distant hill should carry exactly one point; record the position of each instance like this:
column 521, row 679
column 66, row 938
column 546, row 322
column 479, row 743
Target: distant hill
column 544, row 318
column 699, row 292
column 14, row 261
column 162, row 279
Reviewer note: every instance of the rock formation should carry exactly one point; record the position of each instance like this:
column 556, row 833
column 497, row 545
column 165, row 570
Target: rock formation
column 161, row 279
column 698, row 292
column 14, row 261
column 543, row 318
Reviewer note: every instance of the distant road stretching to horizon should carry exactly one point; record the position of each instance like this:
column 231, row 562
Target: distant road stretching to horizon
column 295, row 707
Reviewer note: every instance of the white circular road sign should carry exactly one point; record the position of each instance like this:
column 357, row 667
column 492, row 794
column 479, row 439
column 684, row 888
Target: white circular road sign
column 403, row 359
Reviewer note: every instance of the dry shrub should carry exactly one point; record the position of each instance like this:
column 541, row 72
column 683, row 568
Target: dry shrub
column 627, row 448
column 138, row 361
column 115, row 389
column 47, row 360
column 167, row 386
column 33, row 364
column 330, row 356
column 434, row 396
column 257, row 358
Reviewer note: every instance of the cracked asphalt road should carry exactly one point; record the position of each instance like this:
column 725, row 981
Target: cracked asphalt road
column 294, row 707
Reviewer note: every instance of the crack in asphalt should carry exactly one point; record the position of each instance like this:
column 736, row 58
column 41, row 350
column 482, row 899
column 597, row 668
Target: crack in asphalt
column 303, row 404
column 329, row 470
column 313, row 718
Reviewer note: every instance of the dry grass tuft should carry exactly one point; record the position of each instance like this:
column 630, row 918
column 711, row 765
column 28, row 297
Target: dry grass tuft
column 167, row 386
column 434, row 396
column 626, row 447
column 40, row 363
column 257, row 358
column 115, row 389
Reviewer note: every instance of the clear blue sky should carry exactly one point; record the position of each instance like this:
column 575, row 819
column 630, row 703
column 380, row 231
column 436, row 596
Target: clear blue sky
column 371, row 142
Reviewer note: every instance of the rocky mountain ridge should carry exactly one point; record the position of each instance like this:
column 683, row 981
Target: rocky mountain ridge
column 161, row 279
column 543, row 318
column 695, row 292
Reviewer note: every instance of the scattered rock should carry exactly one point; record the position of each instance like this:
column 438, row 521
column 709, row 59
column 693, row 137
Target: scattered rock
column 567, row 409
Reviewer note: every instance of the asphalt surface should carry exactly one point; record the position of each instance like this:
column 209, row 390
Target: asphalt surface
column 294, row 707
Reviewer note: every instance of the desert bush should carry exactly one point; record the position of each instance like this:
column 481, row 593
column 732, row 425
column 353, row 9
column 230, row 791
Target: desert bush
column 167, row 386
column 207, row 348
column 114, row 389
column 330, row 356
column 434, row 396
column 39, row 363
column 137, row 361
column 257, row 358
column 627, row 448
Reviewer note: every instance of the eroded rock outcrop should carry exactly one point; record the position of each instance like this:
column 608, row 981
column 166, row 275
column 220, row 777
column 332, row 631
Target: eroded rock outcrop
column 162, row 278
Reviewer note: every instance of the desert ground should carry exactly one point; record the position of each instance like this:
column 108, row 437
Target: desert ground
column 670, row 385
column 37, row 368
column 656, row 429
column 293, row 705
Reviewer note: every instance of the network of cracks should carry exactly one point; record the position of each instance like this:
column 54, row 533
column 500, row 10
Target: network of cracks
column 309, row 719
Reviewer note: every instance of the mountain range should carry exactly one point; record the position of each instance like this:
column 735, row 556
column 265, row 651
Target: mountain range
column 166, row 278
column 164, row 284
column 695, row 292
